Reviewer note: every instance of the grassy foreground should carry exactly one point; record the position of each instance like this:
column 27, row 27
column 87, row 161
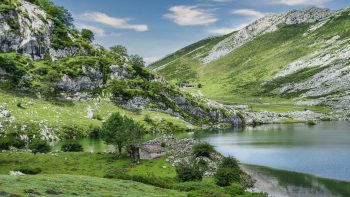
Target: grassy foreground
column 73, row 185
column 101, row 174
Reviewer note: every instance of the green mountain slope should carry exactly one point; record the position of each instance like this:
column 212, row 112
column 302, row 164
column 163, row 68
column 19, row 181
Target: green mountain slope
column 284, row 61
column 54, row 80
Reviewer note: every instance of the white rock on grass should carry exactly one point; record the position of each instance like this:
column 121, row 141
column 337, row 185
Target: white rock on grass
column 16, row 173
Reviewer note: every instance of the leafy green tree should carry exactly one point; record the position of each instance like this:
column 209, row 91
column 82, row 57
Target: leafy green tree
column 120, row 50
column 87, row 34
column 39, row 146
column 122, row 131
column 137, row 61
column 59, row 13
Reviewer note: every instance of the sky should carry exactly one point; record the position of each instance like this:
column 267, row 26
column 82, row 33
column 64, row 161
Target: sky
column 156, row 28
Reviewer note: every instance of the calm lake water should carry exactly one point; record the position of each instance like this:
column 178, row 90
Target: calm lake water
column 322, row 150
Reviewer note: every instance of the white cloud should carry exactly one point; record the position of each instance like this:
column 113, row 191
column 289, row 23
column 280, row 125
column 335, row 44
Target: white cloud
column 227, row 30
column 248, row 12
column 190, row 15
column 97, row 31
column 121, row 23
column 301, row 2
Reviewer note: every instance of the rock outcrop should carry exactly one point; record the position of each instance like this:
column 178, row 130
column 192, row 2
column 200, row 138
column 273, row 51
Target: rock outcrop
column 27, row 30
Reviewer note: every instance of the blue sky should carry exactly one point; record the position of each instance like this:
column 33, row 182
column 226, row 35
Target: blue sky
column 155, row 28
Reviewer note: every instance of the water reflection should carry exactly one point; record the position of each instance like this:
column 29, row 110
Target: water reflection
column 284, row 183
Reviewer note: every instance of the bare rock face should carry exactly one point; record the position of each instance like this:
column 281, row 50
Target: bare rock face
column 27, row 30
column 27, row 34
column 90, row 80
column 264, row 25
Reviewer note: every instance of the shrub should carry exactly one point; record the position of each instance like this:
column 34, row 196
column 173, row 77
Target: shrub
column 72, row 147
column 229, row 162
column 17, row 142
column 163, row 144
column 7, row 142
column 226, row 176
column 95, row 131
column 72, row 132
column 4, row 143
column 311, row 123
column 234, row 190
column 207, row 193
column 39, row 146
column 203, row 150
column 189, row 173
column 192, row 185
column 29, row 170
column 97, row 117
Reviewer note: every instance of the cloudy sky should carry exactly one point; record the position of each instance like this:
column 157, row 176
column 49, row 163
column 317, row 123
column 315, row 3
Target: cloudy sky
column 155, row 28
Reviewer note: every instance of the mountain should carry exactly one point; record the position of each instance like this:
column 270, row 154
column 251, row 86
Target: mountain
column 296, row 59
column 53, row 80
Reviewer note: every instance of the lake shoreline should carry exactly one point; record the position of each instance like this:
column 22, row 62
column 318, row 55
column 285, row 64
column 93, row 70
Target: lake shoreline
column 283, row 183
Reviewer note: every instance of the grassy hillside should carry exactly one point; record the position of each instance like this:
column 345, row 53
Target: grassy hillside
column 55, row 114
column 241, row 76
column 75, row 185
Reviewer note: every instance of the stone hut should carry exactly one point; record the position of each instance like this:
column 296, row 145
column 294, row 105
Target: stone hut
column 151, row 151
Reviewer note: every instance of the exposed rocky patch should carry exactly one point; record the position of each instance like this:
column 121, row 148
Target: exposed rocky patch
column 179, row 151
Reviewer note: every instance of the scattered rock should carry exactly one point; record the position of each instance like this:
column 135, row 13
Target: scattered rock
column 16, row 173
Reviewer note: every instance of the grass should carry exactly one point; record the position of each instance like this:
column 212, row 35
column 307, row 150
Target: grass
column 56, row 114
column 76, row 185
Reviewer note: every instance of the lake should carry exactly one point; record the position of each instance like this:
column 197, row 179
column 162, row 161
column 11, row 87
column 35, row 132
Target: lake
column 322, row 150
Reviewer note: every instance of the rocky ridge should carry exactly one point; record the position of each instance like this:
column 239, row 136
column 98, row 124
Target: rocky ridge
column 264, row 25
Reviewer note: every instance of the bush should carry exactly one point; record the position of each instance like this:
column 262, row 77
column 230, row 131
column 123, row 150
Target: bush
column 207, row 193
column 192, row 185
column 73, row 132
column 29, row 170
column 95, row 132
column 189, row 173
column 311, row 123
column 229, row 162
column 226, row 176
column 39, row 146
column 203, row 150
column 72, row 147
column 234, row 190
column 4, row 143
column 7, row 142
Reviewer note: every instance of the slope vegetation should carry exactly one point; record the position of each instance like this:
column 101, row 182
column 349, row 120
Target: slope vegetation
column 299, row 55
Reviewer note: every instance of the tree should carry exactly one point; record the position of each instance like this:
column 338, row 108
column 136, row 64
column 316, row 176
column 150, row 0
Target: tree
column 39, row 146
column 87, row 34
column 122, row 131
column 137, row 61
column 120, row 50
column 59, row 13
